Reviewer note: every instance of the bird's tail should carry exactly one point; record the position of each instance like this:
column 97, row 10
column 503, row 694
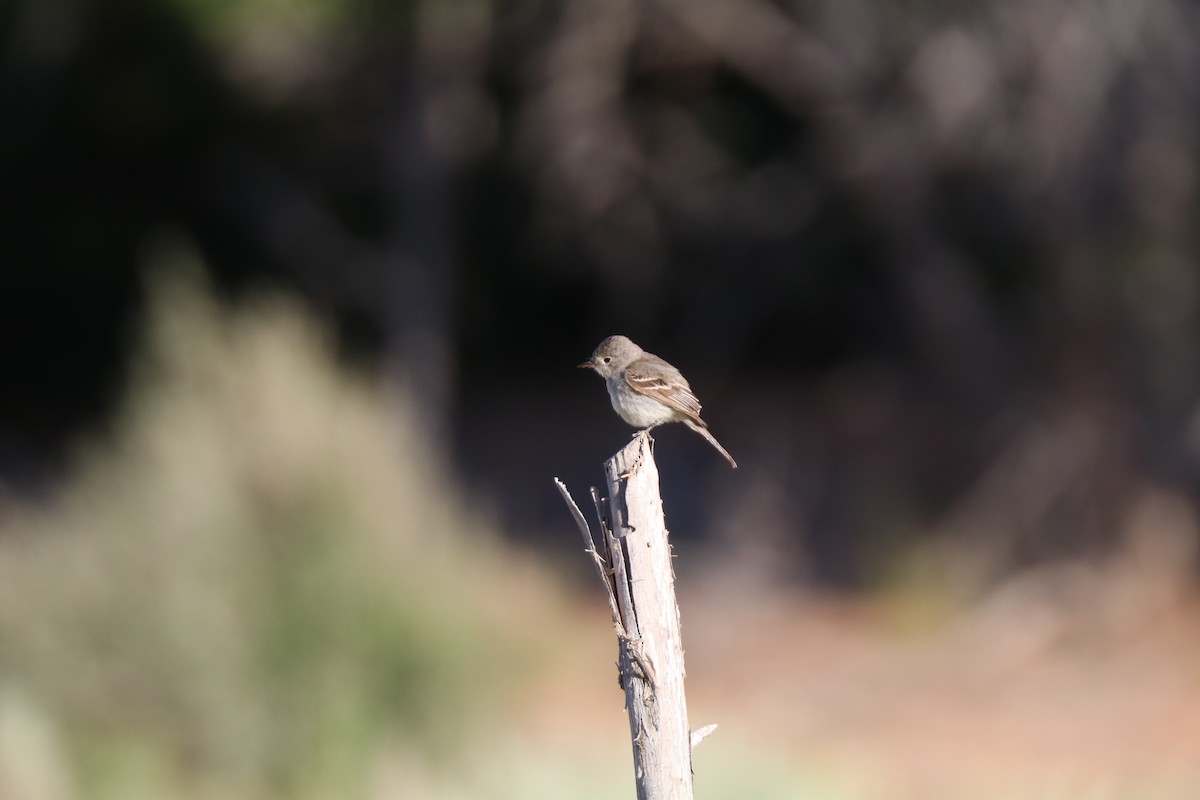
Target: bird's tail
column 703, row 431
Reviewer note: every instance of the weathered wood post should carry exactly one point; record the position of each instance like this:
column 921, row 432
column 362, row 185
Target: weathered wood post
column 640, row 582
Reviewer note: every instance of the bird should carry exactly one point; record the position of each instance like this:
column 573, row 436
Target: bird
column 646, row 391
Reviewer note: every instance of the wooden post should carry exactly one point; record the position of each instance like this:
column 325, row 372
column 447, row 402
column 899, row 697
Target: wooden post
column 640, row 583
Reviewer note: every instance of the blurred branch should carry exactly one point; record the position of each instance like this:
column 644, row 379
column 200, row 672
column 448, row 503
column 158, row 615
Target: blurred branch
column 589, row 547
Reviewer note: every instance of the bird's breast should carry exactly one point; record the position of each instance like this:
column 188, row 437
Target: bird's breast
column 638, row 410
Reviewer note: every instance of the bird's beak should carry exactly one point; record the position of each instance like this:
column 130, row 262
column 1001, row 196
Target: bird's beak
column 585, row 365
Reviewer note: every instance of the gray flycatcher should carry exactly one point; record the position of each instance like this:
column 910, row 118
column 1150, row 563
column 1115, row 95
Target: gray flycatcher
column 646, row 391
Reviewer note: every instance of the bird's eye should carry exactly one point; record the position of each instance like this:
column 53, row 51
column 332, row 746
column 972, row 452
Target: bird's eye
column 606, row 360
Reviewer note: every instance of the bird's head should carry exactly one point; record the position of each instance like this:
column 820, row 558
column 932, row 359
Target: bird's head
column 612, row 355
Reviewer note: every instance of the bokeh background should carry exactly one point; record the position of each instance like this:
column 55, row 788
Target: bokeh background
column 291, row 295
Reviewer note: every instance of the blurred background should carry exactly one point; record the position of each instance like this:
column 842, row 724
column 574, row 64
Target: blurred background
column 291, row 295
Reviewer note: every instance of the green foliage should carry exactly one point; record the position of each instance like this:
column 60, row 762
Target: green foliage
column 259, row 578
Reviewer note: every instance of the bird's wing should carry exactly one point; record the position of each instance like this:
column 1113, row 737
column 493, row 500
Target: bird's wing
column 665, row 384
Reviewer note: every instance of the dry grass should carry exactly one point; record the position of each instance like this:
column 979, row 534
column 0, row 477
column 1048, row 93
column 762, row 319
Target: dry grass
column 1071, row 682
